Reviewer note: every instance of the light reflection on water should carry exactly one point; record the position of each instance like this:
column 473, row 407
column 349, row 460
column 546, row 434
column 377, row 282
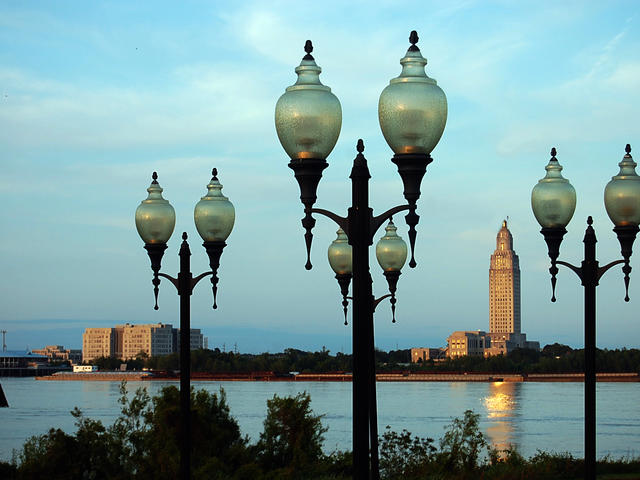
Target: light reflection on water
column 529, row 416
column 502, row 404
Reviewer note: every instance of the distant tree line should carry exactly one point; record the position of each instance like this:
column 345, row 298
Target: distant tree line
column 555, row 358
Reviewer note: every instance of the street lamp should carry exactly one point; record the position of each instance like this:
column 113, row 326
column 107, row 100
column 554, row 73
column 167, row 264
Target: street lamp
column 214, row 217
column 412, row 112
column 553, row 201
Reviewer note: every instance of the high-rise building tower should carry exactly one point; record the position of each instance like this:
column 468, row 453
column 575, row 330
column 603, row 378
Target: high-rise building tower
column 505, row 333
column 504, row 286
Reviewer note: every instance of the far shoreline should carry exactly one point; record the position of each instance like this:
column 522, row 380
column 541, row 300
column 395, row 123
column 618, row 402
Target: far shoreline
column 343, row 377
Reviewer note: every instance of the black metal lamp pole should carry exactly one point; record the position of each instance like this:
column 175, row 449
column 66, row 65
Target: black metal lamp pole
column 360, row 226
column 155, row 220
column 184, row 285
column 590, row 273
column 412, row 111
column 553, row 200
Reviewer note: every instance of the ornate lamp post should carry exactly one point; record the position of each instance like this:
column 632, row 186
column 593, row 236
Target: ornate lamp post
column 214, row 217
column 412, row 112
column 553, row 201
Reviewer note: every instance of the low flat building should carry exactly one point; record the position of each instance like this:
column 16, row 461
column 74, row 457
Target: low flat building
column 21, row 359
column 505, row 343
column 57, row 353
column 21, row 363
column 463, row 343
column 419, row 355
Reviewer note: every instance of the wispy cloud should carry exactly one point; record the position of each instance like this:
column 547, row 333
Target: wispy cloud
column 200, row 103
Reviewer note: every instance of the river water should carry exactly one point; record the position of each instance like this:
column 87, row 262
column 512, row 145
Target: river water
column 531, row 416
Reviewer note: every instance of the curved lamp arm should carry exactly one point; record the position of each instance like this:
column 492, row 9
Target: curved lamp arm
column 171, row 279
column 378, row 300
column 194, row 281
column 602, row 270
column 377, row 222
column 577, row 270
column 341, row 221
column 626, row 270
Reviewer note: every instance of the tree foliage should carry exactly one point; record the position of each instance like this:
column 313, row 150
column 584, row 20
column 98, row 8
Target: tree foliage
column 462, row 443
column 291, row 443
column 555, row 358
column 141, row 443
column 403, row 456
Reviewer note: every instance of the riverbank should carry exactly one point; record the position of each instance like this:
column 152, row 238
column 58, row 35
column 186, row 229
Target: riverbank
column 343, row 377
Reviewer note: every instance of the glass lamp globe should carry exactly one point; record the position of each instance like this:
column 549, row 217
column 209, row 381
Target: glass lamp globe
column 391, row 250
column 412, row 109
column 214, row 214
column 553, row 198
column 308, row 116
column 155, row 217
column 622, row 194
column 340, row 254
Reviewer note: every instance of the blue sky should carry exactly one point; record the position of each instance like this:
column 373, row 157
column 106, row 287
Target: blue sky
column 97, row 95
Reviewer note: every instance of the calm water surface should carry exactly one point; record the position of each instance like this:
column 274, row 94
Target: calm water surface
column 531, row 416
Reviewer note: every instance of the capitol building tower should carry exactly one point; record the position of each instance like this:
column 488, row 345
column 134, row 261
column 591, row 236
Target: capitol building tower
column 505, row 331
column 504, row 286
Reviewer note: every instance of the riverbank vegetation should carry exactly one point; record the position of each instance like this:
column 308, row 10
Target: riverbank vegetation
column 142, row 444
column 554, row 358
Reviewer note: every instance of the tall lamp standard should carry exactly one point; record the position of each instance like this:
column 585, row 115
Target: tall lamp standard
column 214, row 217
column 553, row 201
column 412, row 111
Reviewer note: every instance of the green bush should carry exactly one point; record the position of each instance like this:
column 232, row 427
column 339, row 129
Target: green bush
column 403, row 456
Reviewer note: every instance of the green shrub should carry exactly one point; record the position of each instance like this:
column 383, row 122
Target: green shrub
column 403, row 456
column 462, row 444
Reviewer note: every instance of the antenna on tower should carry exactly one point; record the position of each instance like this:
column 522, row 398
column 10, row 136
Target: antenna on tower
column 4, row 338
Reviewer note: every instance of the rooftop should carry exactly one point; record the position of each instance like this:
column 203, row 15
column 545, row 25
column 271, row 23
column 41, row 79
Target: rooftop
column 21, row 354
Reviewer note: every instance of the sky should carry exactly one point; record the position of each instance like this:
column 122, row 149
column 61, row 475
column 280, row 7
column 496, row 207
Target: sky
column 95, row 96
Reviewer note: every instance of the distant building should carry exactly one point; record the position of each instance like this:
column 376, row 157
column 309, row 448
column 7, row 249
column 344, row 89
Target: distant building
column 99, row 342
column 195, row 338
column 505, row 333
column 16, row 359
column 127, row 341
column 504, row 298
column 151, row 339
column 504, row 285
column 424, row 354
column 57, row 353
column 463, row 343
